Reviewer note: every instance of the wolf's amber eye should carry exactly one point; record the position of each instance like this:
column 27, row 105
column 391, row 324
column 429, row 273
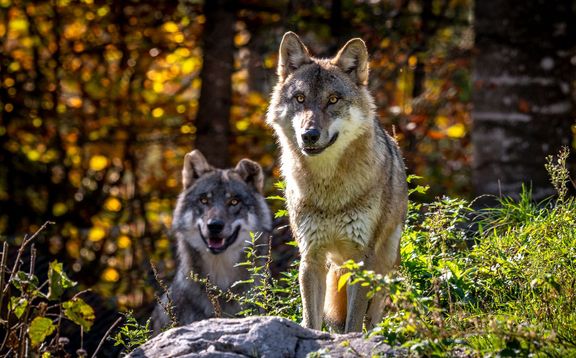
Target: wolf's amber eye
column 234, row 202
column 332, row 99
column 300, row 98
column 204, row 200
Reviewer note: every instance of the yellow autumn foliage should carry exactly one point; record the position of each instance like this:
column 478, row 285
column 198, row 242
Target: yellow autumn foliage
column 98, row 162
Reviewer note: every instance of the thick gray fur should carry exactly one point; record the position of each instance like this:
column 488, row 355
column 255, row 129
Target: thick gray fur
column 232, row 197
column 345, row 179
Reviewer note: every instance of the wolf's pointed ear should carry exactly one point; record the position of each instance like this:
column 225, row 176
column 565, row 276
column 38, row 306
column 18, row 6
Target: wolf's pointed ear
column 251, row 172
column 353, row 59
column 292, row 55
column 195, row 165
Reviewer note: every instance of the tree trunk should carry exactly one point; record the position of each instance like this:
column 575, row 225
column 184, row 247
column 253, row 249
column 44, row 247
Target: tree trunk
column 419, row 70
column 213, row 120
column 523, row 109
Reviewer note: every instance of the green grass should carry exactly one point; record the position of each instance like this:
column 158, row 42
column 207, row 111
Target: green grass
column 495, row 282
column 501, row 284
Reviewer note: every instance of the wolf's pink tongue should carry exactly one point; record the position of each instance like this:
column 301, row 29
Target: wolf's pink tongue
column 216, row 243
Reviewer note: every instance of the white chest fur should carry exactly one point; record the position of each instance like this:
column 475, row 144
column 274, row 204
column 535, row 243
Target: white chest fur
column 332, row 198
column 221, row 268
column 322, row 228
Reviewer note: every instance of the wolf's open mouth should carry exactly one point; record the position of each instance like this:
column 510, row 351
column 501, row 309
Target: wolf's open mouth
column 318, row 150
column 217, row 245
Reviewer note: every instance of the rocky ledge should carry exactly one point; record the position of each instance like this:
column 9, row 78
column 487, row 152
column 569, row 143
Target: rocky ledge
column 256, row 337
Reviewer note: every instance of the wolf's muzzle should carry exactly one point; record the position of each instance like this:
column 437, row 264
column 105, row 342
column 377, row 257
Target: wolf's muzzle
column 217, row 244
column 310, row 136
column 215, row 227
column 312, row 150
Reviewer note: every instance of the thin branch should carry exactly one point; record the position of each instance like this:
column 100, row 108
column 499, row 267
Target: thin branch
column 106, row 335
column 21, row 251
column 2, row 269
column 169, row 306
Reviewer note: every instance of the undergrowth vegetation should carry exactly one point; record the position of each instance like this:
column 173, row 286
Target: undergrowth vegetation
column 498, row 281
column 32, row 311
column 495, row 282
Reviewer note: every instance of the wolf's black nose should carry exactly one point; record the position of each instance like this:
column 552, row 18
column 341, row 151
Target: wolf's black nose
column 215, row 226
column 310, row 136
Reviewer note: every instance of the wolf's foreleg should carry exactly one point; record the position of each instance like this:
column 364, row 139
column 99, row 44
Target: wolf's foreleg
column 312, row 288
column 389, row 260
column 335, row 301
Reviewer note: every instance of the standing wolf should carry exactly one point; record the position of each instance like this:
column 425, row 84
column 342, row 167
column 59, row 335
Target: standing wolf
column 345, row 179
column 214, row 216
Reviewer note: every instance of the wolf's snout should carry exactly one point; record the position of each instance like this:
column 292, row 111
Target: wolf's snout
column 215, row 226
column 310, row 136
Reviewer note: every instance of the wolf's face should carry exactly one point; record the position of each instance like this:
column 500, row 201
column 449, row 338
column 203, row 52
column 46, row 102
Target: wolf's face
column 218, row 208
column 320, row 104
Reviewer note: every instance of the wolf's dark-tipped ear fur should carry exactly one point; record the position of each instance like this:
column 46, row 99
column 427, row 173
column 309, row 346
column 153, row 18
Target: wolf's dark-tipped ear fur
column 195, row 165
column 251, row 173
column 353, row 59
column 292, row 55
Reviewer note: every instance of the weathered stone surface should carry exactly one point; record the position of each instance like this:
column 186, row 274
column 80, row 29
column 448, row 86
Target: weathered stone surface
column 254, row 337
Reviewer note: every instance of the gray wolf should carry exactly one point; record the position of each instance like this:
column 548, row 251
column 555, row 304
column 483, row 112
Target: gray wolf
column 345, row 179
column 212, row 221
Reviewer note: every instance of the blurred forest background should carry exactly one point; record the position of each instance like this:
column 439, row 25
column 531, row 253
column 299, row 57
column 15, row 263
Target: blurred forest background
column 100, row 100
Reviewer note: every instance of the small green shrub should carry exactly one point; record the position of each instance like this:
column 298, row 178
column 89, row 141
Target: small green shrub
column 35, row 310
column 504, row 289
column 267, row 295
column 132, row 334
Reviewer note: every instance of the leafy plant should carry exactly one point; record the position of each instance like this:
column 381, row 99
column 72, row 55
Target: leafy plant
column 265, row 295
column 132, row 334
column 558, row 171
column 167, row 306
column 35, row 310
column 505, row 289
column 268, row 295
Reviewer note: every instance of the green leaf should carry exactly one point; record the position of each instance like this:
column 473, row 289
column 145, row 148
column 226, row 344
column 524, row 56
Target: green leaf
column 453, row 267
column 58, row 280
column 292, row 243
column 40, row 328
column 25, row 282
column 280, row 185
column 343, row 280
column 79, row 312
column 276, row 197
column 412, row 177
column 422, row 189
column 280, row 213
column 18, row 305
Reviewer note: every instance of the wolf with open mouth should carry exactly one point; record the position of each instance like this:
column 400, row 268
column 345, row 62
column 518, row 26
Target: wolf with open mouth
column 214, row 215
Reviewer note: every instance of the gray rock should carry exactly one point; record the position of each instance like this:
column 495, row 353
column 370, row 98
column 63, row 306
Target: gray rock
column 255, row 337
